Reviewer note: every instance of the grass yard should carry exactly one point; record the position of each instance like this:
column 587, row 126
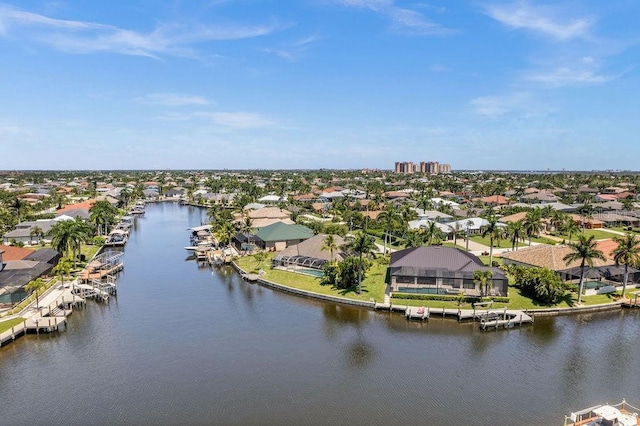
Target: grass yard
column 505, row 243
column 599, row 234
column 6, row 325
column 373, row 285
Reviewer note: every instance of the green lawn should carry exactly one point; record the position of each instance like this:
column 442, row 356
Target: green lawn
column 6, row 325
column 373, row 284
column 516, row 301
column 598, row 234
column 502, row 244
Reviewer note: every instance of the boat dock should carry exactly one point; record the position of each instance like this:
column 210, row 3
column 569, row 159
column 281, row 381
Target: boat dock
column 48, row 316
column 102, row 266
column 488, row 318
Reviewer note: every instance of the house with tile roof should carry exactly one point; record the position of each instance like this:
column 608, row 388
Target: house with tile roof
column 440, row 270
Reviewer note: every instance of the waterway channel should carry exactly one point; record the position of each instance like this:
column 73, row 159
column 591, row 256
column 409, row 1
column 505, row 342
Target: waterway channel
column 181, row 344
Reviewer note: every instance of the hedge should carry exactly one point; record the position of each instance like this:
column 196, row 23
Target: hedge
column 451, row 298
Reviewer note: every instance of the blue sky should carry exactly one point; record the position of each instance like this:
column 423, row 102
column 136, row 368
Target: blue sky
column 146, row 84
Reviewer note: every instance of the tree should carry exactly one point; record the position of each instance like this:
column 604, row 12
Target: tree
column 570, row 227
column 532, row 223
column 627, row 253
column 390, row 219
column 63, row 268
column 35, row 285
column 62, row 236
column 586, row 251
column 414, row 238
column 483, row 279
column 80, row 232
column 433, row 234
column 36, row 231
column 225, row 233
column 516, row 232
column 330, row 244
column 363, row 246
column 495, row 232
column 102, row 214
column 457, row 232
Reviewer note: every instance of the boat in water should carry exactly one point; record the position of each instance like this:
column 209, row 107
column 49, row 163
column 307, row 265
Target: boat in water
column 621, row 414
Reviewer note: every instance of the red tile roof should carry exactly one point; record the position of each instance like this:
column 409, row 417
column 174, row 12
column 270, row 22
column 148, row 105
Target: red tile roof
column 14, row 253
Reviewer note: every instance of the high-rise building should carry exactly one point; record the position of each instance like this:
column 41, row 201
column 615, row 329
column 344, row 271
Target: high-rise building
column 425, row 167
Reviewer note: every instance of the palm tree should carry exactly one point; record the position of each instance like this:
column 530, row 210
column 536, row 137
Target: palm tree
column 627, row 253
column 36, row 231
column 361, row 245
column 516, row 232
column 483, row 279
column 61, row 236
column 247, row 228
column 570, row 227
column 80, row 232
column 102, row 215
column 35, row 285
column 390, row 219
column 586, row 251
column 414, row 238
column 330, row 244
column 63, row 268
column 225, row 233
column 457, row 232
column 433, row 234
column 532, row 223
column 495, row 232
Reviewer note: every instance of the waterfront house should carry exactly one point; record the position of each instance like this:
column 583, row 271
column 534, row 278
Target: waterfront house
column 279, row 235
column 309, row 254
column 440, row 270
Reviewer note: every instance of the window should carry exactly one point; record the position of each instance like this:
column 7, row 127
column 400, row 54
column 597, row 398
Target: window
column 403, row 279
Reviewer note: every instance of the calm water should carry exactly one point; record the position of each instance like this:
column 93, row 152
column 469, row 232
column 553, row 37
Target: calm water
column 187, row 345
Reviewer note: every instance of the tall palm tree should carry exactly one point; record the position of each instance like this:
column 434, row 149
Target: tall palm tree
column 627, row 253
column 433, row 234
column 247, row 228
column 516, row 232
column 225, row 233
column 330, row 244
column 361, row 245
column 390, row 219
column 81, row 232
column 457, row 232
column 586, row 251
column 532, row 223
column 35, row 285
column 483, row 279
column 495, row 232
column 570, row 227
column 414, row 238
column 36, row 231
column 61, row 236
column 102, row 214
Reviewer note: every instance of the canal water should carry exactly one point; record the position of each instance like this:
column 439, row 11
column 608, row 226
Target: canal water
column 182, row 344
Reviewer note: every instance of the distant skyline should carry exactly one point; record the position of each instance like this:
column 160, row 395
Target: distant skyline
column 307, row 84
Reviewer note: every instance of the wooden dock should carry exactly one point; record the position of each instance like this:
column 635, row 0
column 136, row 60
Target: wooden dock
column 488, row 318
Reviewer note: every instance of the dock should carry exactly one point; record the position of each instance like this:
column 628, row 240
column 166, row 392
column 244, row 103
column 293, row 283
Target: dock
column 488, row 318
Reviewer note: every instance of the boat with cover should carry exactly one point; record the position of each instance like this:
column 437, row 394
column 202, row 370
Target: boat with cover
column 622, row 414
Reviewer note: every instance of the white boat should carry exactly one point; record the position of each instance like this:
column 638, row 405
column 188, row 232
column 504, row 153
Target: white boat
column 621, row 414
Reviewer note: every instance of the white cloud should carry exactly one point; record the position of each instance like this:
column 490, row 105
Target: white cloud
column 498, row 106
column 567, row 76
column 540, row 19
column 243, row 120
column 402, row 19
column 89, row 37
column 292, row 51
column 172, row 99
